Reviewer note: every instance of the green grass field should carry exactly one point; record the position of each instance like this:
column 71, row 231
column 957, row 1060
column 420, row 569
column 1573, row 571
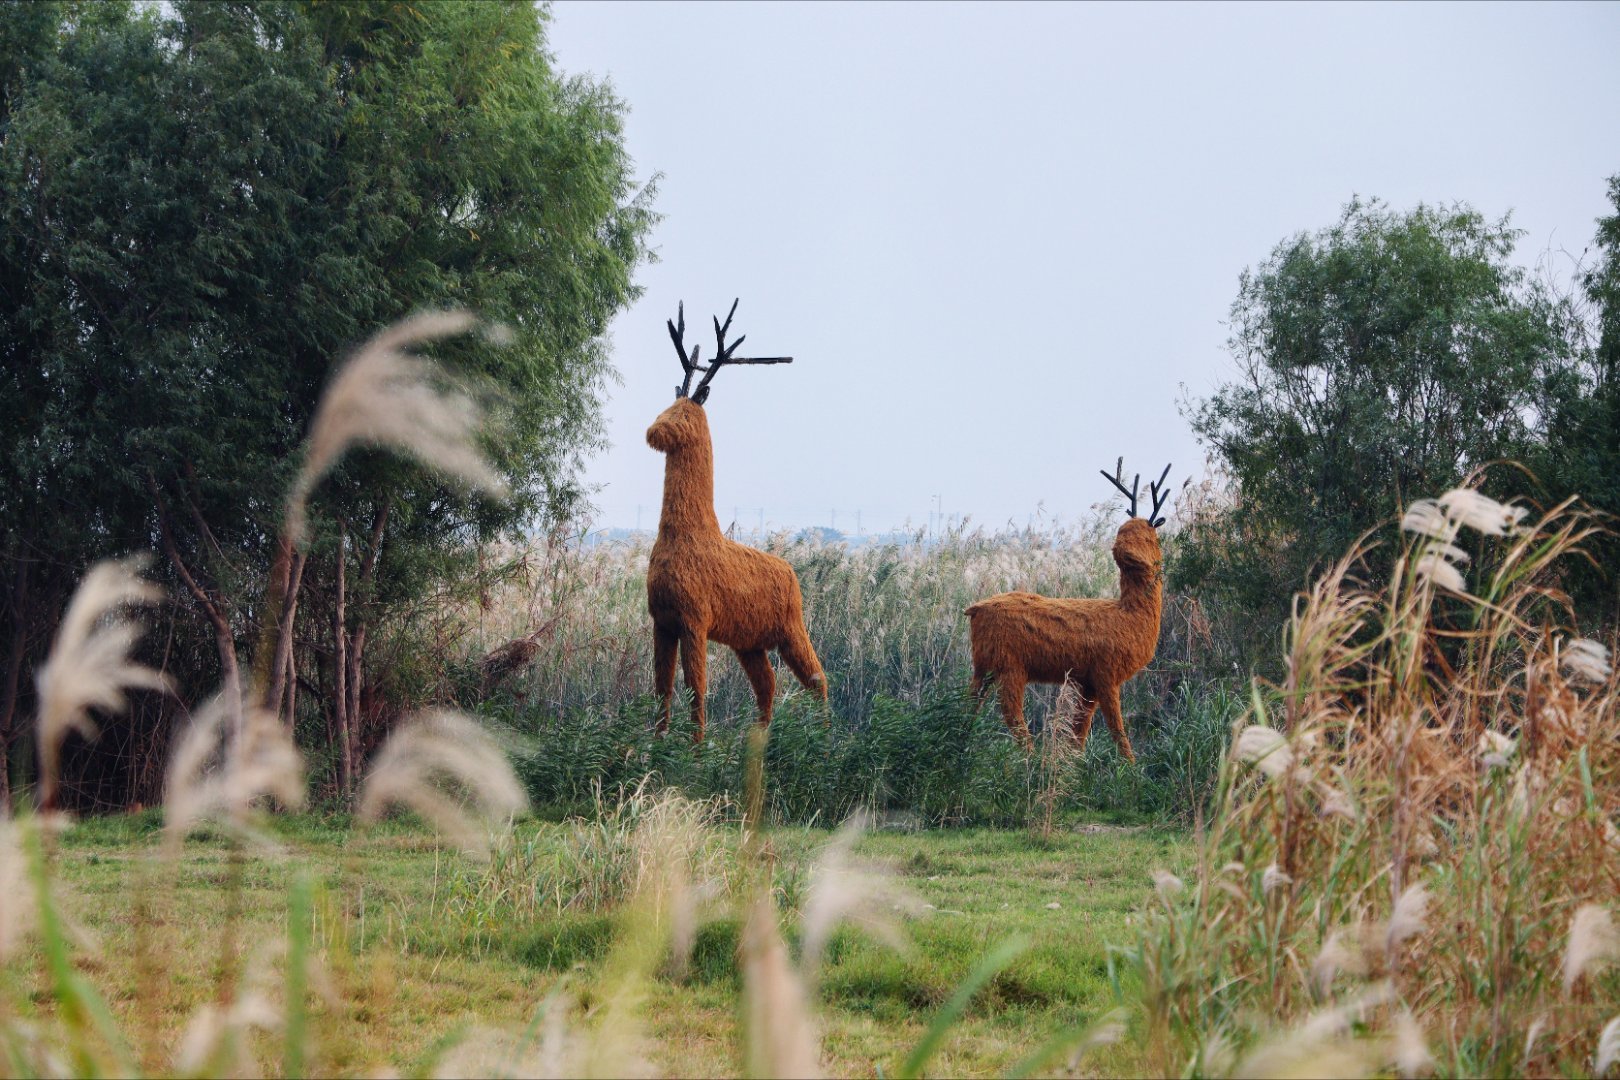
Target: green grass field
column 411, row 958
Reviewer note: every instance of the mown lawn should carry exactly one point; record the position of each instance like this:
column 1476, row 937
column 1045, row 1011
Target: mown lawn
column 407, row 967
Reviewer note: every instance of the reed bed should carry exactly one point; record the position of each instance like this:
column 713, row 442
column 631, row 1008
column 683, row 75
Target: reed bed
column 1412, row 859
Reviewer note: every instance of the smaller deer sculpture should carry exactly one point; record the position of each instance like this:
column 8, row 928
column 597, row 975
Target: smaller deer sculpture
column 702, row 586
column 1019, row 637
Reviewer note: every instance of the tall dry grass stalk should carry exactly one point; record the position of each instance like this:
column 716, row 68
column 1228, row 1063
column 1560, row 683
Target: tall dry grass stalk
column 387, row 395
column 89, row 666
column 1426, row 804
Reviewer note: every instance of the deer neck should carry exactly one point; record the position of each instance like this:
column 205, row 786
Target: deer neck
column 689, row 493
column 1141, row 592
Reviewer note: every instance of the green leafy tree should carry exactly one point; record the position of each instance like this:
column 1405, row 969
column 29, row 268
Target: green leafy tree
column 1380, row 360
column 203, row 208
column 1583, row 431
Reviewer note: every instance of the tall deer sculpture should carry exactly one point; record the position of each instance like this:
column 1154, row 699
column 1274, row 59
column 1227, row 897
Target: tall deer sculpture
column 702, row 586
column 1020, row 638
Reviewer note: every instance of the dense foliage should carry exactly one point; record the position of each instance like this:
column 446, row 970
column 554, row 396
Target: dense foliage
column 202, row 207
column 1389, row 355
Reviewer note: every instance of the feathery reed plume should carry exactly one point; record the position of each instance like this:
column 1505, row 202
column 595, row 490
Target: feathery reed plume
column 388, row 395
column 1593, row 943
column 1167, row 885
column 1265, row 748
column 842, row 889
column 1425, row 518
column 1408, row 918
column 1335, row 957
column 1608, row 1048
column 89, row 665
column 1586, row 659
column 1434, row 566
column 781, row 1033
column 212, row 774
column 1479, row 512
column 446, row 767
column 1409, row 1051
column 217, row 1040
column 1274, row 878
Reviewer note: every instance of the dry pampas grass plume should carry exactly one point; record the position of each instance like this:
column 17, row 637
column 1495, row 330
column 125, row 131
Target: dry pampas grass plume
column 1608, row 1048
column 1593, row 943
column 213, row 775
column 781, row 1034
column 387, row 395
column 447, row 768
column 843, row 889
column 89, row 665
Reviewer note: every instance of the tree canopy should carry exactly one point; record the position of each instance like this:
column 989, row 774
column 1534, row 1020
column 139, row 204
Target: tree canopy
column 1379, row 360
column 204, row 207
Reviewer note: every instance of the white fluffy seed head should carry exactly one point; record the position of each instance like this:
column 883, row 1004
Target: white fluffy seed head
column 1608, row 1048
column 1409, row 916
column 781, row 1033
column 1586, row 659
column 1168, row 885
column 1265, row 748
column 1425, row 518
column 388, row 396
column 217, row 773
column 89, row 665
column 843, row 889
column 1274, row 878
column 1465, row 506
column 1409, row 1050
column 1593, row 943
column 447, row 768
column 1434, row 566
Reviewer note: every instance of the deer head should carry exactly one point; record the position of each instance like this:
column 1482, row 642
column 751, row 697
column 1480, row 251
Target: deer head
column 1137, row 545
column 723, row 354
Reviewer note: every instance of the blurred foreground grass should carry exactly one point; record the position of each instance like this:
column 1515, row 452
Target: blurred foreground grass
column 409, row 958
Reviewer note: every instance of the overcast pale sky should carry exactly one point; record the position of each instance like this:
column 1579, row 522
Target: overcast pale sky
column 1001, row 240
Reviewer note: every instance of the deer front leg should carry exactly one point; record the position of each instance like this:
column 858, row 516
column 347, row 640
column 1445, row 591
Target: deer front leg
column 1109, row 700
column 1085, row 706
column 664, row 643
column 1010, row 684
column 756, row 664
column 695, row 666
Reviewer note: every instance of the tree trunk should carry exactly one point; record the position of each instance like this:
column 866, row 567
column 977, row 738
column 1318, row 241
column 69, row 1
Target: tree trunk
column 357, row 640
column 340, row 674
column 224, row 640
column 14, row 663
column 281, row 663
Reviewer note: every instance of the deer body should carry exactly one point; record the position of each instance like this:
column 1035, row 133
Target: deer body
column 702, row 587
column 1020, row 637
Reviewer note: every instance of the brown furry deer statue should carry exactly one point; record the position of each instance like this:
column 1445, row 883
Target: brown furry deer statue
column 702, row 586
column 1020, row 638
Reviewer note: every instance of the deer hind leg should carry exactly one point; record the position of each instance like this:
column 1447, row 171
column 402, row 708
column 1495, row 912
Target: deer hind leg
column 664, row 644
column 1085, row 707
column 1109, row 700
column 756, row 663
column 800, row 657
column 1010, row 685
column 695, row 667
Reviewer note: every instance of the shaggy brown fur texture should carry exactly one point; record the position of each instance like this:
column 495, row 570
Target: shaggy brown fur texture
column 702, row 586
column 1020, row 638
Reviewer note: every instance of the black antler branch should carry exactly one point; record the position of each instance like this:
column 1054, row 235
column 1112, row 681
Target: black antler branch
column 1160, row 494
column 1118, row 480
column 725, row 355
column 677, row 334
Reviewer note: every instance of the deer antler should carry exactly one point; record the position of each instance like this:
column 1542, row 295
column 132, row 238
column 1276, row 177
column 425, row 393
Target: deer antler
column 1118, row 480
column 677, row 334
column 723, row 355
column 1156, row 487
column 1160, row 494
